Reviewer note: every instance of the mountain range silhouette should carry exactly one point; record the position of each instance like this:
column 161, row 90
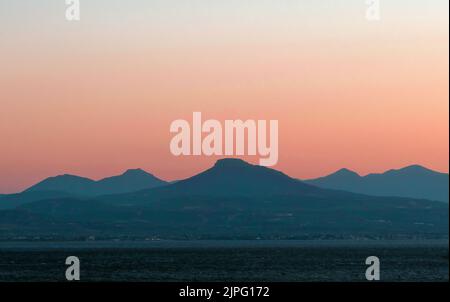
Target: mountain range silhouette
column 232, row 199
column 130, row 180
column 413, row 181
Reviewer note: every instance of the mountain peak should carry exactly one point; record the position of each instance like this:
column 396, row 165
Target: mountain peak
column 346, row 172
column 63, row 183
column 238, row 177
column 231, row 163
column 412, row 169
column 137, row 171
column 416, row 168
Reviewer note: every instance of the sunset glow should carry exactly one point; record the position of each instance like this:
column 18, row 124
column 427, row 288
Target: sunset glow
column 97, row 97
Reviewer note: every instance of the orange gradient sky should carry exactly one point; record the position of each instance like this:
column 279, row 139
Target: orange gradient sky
column 96, row 97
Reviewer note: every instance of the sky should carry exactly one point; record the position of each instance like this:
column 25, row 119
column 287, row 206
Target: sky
column 97, row 96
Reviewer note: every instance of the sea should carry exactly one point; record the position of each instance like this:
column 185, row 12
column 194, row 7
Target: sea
column 226, row 260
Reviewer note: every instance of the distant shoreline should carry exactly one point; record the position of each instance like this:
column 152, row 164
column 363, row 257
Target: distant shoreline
column 143, row 244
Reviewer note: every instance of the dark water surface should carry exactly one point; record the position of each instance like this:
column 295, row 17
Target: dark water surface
column 225, row 260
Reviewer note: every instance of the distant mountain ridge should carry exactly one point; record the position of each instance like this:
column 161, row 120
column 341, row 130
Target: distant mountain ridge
column 232, row 199
column 131, row 180
column 412, row 181
column 236, row 177
column 228, row 178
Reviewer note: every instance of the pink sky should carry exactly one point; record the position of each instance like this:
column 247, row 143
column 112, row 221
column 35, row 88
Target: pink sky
column 96, row 97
